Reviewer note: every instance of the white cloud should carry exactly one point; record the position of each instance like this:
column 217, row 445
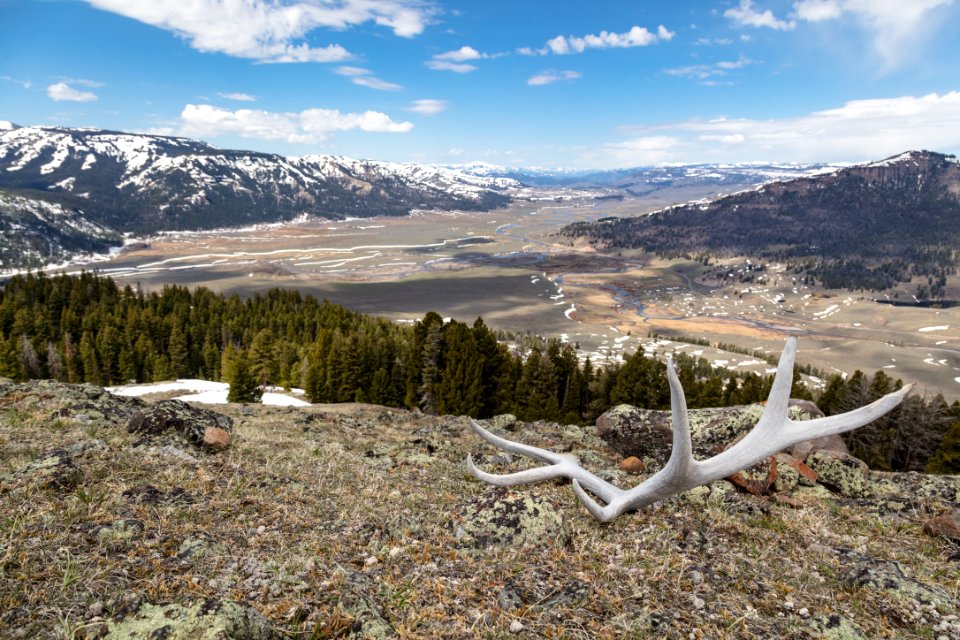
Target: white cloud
column 635, row 37
column 308, row 126
column 26, row 84
column 267, row 30
column 61, row 91
column 856, row 131
column 351, row 71
column 239, row 97
column 817, row 10
column 455, row 152
column 428, row 107
column 364, row 78
column 550, row 76
column 705, row 71
column 898, row 27
column 456, row 60
column 747, row 16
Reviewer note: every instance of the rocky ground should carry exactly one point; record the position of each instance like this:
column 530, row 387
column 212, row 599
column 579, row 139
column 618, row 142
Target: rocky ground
column 122, row 519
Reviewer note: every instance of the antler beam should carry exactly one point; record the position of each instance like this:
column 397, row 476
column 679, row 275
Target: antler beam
column 774, row 432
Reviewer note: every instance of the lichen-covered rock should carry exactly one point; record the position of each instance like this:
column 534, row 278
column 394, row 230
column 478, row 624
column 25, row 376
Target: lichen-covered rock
column 55, row 469
column 359, row 601
column 207, row 620
column 715, row 494
column 648, row 434
column 82, row 402
column 119, row 533
column 199, row 426
column 507, row 518
column 840, row 472
column 834, row 627
column 890, row 578
column 506, row 421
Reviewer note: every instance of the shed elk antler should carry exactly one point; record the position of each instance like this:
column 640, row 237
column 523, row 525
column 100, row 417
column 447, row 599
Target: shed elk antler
column 773, row 433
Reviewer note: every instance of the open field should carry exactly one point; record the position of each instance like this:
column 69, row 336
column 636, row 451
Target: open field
column 509, row 267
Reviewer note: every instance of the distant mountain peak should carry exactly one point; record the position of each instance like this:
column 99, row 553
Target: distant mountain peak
column 6, row 125
column 912, row 158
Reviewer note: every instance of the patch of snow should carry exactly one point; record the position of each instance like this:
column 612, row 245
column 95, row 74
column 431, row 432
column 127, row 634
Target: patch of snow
column 942, row 327
column 206, row 392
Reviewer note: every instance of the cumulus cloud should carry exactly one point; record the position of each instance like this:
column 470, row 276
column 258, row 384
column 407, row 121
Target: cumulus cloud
column 364, row 78
column 635, row 37
column 239, row 97
column 856, row 131
column 268, row 30
column 308, row 126
column 550, row 76
column 428, row 106
column 61, row 91
column 897, row 26
column 745, row 14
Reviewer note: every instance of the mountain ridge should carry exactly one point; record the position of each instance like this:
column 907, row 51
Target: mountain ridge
column 863, row 226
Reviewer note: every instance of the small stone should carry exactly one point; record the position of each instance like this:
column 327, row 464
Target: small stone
column 697, row 602
column 96, row 608
column 395, row 551
column 633, row 464
column 370, row 561
column 946, row 526
column 788, row 605
column 696, row 577
column 804, row 612
column 216, row 437
column 516, row 626
column 261, row 530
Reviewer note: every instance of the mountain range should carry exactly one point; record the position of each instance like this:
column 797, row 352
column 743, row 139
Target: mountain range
column 863, row 226
column 64, row 191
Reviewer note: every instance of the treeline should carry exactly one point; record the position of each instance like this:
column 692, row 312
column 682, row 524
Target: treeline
column 920, row 435
column 86, row 328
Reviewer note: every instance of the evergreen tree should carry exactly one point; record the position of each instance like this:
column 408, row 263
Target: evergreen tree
column 243, row 383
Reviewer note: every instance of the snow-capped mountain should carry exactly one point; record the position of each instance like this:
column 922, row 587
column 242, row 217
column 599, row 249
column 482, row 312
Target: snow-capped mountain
column 639, row 181
column 142, row 183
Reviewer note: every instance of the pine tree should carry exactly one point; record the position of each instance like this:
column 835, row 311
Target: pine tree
column 243, row 383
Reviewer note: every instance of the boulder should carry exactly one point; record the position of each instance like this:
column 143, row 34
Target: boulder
column 648, row 434
column 840, row 472
column 201, row 427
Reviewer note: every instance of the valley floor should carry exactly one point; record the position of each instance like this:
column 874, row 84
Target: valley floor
column 511, row 268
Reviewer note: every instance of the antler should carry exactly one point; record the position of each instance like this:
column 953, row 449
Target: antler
column 774, row 432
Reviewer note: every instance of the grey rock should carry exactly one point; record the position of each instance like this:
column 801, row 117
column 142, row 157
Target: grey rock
column 180, row 418
column 891, row 579
column 648, row 434
column 840, row 472
column 206, row 620
column 506, row 518
column 834, row 627
column 358, row 600
column 54, row 469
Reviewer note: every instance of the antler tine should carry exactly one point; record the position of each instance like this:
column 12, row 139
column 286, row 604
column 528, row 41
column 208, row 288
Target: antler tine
column 680, row 472
column 560, row 466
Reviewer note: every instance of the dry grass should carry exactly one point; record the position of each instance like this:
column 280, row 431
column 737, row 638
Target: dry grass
column 313, row 510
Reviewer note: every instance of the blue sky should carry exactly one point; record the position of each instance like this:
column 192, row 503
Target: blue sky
column 549, row 83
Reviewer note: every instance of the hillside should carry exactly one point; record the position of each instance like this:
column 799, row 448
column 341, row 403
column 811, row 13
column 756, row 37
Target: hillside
column 863, row 226
column 359, row 521
column 145, row 183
